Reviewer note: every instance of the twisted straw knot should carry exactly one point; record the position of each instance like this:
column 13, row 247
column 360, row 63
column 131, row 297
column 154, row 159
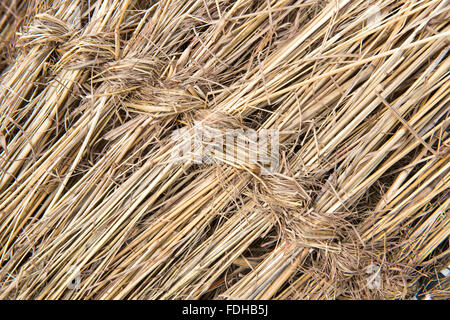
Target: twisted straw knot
column 154, row 97
column 215, row 119
column 131, row 72
column 365, row 272
column 46, row 29
column 88, row 50
column 286, row 191
column 98, row 53
column 290, row 200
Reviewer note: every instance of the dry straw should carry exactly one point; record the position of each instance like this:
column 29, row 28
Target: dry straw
column 91, row 92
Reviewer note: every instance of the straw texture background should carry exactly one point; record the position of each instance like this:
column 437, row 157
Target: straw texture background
column 91, row 92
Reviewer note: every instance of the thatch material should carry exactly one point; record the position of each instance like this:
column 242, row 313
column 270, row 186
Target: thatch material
column 358, row 208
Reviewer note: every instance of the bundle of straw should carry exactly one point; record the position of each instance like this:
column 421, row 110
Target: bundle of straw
column 93, row 204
